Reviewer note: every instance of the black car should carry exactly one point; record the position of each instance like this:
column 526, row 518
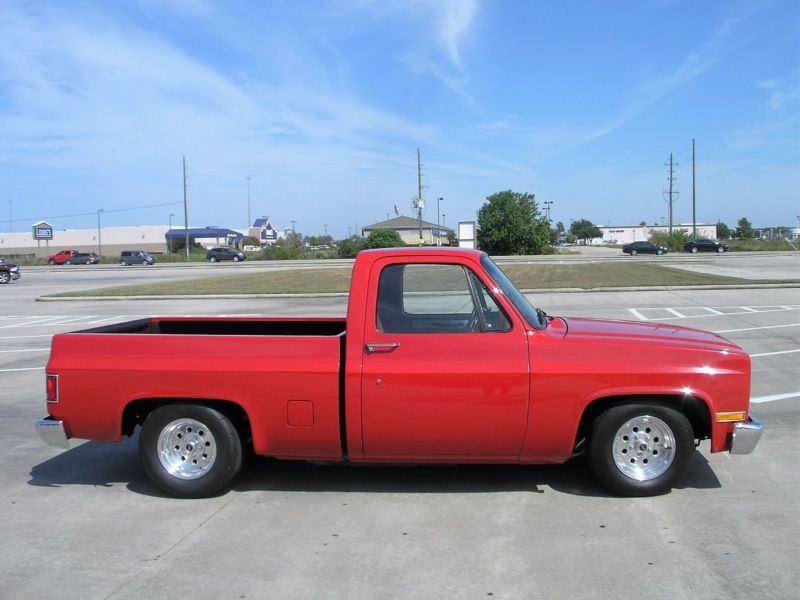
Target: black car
column 136, row 257
column 696, row 246
column 83, row 258
column 643, row 248
column 217, row 254
column 8, row 271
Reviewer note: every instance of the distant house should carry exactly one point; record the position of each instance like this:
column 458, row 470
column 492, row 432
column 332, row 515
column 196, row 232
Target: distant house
column 408, row 228
column 263, row 230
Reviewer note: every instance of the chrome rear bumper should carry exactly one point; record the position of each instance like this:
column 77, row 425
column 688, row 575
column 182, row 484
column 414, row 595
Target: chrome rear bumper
column 746, row 436
column 52, row 432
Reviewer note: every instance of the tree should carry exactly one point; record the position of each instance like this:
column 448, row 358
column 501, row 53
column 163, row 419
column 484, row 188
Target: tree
column 509, row 223
column 384, row 238
column 723, row 231
column 350, row 247
column 585, row 230
column 744, row 229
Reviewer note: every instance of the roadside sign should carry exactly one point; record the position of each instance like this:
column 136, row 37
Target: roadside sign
column 42, row 231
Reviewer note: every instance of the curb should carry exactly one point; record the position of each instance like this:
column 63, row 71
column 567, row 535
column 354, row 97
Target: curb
column 660, row 288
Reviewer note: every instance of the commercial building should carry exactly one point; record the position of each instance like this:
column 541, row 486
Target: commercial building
column 626, row 234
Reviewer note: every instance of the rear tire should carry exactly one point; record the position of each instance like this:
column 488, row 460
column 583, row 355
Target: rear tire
column 51, row 262
column 212, row 259
column 190, row 450
column 634, row 252
column 694, row 250
column 641, row 449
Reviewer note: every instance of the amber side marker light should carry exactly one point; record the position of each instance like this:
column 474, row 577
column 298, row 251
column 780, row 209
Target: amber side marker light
column 52, row 388
column 730, row 417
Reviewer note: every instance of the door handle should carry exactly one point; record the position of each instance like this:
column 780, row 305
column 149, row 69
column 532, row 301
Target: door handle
column 371, row 347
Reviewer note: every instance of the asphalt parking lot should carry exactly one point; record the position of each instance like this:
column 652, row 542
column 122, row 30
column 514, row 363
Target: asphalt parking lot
column 87, row 523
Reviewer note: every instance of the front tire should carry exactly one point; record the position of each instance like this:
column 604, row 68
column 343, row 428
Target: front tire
column 190, row 450
column 5, row 277
column 235, row 259
column 641, row 449
column 720, row 250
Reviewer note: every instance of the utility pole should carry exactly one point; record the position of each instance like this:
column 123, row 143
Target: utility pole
column 420, row 201
column 671, row 181
column 694, row 213
column 185, row 211
column 547, row 204
column 325, row 226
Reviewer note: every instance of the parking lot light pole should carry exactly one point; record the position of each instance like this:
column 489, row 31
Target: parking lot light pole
column 99, row 239
column 438, row 223
column 169, row 239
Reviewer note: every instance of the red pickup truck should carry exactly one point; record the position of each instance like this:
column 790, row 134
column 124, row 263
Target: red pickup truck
column 440, row 360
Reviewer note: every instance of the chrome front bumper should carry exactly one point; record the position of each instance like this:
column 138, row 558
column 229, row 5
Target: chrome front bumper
column 746, row 436
column 52, row 432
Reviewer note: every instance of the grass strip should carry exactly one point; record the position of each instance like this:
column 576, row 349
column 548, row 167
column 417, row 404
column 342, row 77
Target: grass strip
column 536, row 276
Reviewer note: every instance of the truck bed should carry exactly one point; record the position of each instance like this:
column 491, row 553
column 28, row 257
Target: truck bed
column 286, row 374
column 226, row 326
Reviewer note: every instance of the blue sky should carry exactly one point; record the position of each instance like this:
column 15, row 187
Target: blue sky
column 324, row 104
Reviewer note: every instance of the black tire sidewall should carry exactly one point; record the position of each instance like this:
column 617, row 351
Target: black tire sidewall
column 229, row 458
column 601, row 459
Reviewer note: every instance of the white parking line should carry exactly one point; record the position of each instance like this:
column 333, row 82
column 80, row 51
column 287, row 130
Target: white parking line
column 775, row 353
column 756, row 328
column 25, row 369
column 28, row 350
column 24, row 337
column 773, row 397
column 719, row 311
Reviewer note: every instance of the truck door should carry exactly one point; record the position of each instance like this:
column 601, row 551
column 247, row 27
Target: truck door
column 445, row 370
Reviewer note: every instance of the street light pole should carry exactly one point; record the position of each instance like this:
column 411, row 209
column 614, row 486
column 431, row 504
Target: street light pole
column 249, row 222
column 99, row 239
column 169, row 243
column 438, row 225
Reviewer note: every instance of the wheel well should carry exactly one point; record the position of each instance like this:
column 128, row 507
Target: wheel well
column 136, row 412
column 692, row 407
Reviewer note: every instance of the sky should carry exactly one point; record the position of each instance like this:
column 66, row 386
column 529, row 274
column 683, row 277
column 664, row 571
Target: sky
column 323, row 105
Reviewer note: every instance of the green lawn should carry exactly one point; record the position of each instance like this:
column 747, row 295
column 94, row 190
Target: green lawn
column 538, row 276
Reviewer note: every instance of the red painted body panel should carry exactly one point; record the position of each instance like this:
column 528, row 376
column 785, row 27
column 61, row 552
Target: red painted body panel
column 514, row 396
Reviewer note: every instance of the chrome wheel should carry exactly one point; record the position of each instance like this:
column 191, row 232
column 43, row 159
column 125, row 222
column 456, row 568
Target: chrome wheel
column 186, row 449
column 644, row 448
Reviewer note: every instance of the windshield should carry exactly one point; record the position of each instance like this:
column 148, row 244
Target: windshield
column 533, row 316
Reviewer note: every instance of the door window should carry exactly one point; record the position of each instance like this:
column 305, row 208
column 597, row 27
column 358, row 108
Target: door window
column 435, row 298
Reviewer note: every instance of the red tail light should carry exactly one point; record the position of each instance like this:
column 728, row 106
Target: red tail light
column 52, row 388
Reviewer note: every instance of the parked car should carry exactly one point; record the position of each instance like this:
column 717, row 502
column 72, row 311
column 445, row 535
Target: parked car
column 643, row 248
column 696, row 246
column 83, row 258
column 217, row 254
column 8, row 271
column 136, row 257
column 59, row 258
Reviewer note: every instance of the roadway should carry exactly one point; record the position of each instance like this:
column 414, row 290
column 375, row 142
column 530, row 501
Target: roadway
column 87, row 523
